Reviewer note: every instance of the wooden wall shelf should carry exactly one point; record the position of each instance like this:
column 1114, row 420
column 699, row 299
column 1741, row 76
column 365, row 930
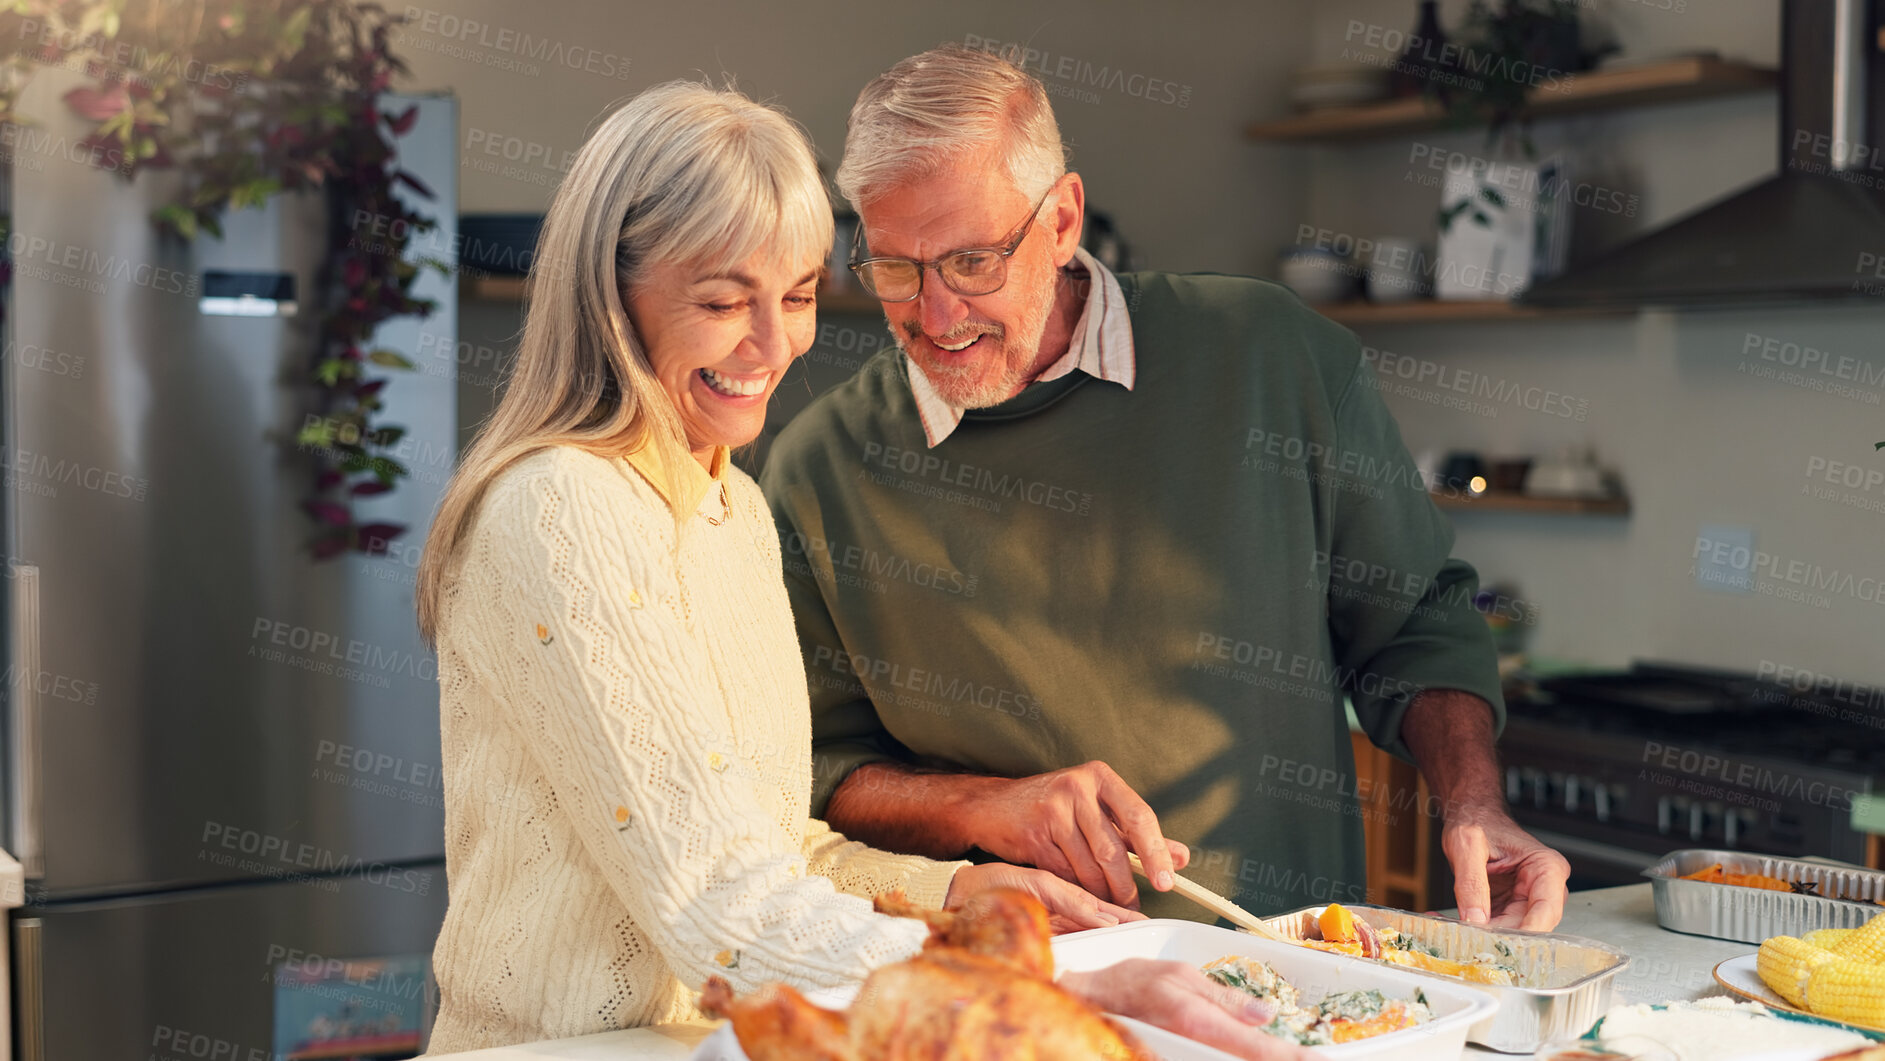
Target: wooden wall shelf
column 1632, row 86
column 495, row 288
column 511, row 289
column 1433, row 311
column 1543, row 506
column 850, row 302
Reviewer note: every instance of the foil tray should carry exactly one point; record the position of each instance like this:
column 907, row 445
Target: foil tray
column 1750, row 915
column 1570, row 981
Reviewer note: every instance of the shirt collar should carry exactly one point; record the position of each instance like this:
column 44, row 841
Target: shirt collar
column 683, row 484
column 1101, row 346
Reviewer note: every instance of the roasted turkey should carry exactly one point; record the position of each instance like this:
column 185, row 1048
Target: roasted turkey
column 983, row 987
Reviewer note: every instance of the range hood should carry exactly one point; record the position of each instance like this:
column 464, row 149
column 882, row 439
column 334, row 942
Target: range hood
column 1817, row 230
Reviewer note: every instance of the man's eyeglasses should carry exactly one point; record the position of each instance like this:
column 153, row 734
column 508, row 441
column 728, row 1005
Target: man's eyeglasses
column 973, row 271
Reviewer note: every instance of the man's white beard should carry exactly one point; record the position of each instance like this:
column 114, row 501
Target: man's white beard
column 960, row 386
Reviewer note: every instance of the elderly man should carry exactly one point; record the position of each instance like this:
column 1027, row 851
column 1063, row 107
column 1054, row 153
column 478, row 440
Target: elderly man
column 1092, row 560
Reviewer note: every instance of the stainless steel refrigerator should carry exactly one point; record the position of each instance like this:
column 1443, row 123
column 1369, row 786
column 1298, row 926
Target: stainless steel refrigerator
column 222, row 755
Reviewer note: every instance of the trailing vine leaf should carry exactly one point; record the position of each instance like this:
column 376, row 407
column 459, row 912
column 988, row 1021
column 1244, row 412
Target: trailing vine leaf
column 178, row 219
column 374, row 538
column 281, row 96
column 390, row 359
column 107, row 104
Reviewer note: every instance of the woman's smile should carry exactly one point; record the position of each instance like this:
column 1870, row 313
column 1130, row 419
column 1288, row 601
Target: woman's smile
column 731, row 386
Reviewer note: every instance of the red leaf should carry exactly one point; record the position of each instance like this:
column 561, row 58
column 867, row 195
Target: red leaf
column 375, row 537
column 328, row 546
column 330, row 513
column 354, row 273
column 402, row 124
column 369, row 388
column 414, row 183
column 95, row 104
column 327, row 479
column 371, row 488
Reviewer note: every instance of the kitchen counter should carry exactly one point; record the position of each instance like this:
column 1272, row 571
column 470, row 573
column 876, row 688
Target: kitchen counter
column 1667, row 965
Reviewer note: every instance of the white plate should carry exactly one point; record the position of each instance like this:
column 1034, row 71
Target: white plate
column 1742, row 977
column 1457, row 1008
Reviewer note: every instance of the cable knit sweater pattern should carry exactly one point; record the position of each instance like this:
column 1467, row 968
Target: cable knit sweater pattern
column 627, row 768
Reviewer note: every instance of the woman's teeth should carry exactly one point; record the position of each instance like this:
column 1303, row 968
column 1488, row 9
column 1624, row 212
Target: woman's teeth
column 732, row 388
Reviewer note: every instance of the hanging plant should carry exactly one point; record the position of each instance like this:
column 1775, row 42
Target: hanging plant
column 248, row 99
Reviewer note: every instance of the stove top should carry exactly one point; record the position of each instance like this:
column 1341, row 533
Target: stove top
column 1615, row 770
column 1734, row 713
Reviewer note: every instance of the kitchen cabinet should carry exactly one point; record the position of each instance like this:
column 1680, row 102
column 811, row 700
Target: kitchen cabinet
column 1406, row 868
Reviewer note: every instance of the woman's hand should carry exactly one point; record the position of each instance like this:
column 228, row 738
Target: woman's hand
column 1070, row 907
column 1177, row 997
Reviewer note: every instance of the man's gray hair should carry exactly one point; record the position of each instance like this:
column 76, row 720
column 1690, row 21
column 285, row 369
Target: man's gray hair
column 929, row 109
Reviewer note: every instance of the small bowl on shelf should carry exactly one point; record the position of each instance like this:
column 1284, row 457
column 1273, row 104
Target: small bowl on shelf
column 1317, row 276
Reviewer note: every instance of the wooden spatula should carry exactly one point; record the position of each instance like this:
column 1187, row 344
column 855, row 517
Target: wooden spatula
column 1215, row 903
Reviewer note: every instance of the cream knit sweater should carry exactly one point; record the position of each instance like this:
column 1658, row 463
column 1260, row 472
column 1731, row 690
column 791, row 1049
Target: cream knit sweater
column 627, row 768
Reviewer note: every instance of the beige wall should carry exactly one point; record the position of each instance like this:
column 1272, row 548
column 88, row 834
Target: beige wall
column 1181, row 182
column 1696, row 440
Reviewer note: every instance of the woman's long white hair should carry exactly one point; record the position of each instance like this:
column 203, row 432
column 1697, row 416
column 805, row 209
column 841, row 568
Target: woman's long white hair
column 684, row 173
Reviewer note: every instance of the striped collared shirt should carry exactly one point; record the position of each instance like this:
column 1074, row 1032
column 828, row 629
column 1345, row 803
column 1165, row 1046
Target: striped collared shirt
column 1101, row 346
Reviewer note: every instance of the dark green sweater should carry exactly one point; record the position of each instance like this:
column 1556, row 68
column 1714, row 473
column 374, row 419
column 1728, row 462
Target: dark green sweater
column 1180, row 580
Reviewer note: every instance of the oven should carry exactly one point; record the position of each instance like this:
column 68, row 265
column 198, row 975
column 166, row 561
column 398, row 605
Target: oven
column 1617, row 770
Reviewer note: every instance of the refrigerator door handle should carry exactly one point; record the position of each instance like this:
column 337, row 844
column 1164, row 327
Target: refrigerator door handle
column 24, row 725
column 29, row 1021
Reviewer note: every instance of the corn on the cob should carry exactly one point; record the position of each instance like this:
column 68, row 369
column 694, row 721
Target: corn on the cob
column 1846, row 989
column 1786, row 964
column 1865, row 944
column 1828, row 937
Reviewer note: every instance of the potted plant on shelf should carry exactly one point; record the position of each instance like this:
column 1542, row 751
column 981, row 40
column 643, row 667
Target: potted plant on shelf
column 250, row 99
column 1508, row 56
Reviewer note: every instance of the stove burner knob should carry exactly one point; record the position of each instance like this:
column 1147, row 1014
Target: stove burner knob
column 1668, row 809
column 1514, row 785
column 1698, row 821
column 1734, row 824
column 1601, row 796
column 1541, row 788
column 1571, row 786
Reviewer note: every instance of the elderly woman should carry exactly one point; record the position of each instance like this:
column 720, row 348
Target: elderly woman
column 627, row 741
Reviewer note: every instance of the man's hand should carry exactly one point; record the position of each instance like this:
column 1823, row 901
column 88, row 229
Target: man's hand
column 1177, row 997
column 1077, row 824
column 1502, row 875
column 1069, row 909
